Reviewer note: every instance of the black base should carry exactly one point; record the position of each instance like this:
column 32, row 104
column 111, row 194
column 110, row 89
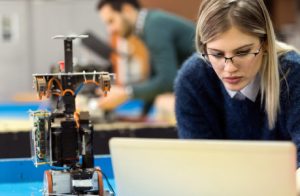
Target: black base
column 17, row 144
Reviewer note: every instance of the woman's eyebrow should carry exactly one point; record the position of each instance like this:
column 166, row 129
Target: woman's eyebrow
column 239, row 48
column 244, row 46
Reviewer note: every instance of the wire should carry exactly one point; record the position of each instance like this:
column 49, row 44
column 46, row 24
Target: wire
column 77, row 118
column 64, row 194
column 84, row 83
column 107, row 181
column 57, row 82
column 78, row 89
column 91, row 82
column 62, row 92
column 68, row 90
column 58, row 194
column 56, row 93
column 50, row 85
column 58, row 101
column 59, row 168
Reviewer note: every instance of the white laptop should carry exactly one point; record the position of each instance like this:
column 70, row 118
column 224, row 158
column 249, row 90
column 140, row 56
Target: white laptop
column 170, row 167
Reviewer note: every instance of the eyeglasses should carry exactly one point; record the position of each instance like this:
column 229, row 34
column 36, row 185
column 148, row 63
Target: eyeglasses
column 240, row 59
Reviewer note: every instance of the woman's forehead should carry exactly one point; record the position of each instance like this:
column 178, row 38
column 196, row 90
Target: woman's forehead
column 232, row 39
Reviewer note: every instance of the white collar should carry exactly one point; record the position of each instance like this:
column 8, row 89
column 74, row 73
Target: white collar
column 250, row 91
column 140, row 22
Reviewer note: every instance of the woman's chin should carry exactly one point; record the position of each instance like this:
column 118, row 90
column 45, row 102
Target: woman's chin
column 233, row 87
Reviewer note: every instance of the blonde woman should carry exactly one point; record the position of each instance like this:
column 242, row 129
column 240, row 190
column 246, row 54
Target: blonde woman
column 242, row 84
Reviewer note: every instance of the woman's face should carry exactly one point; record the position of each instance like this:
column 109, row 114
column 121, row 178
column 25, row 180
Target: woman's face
column 247, row 53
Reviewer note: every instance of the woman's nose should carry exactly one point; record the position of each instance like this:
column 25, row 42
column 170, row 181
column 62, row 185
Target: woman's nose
column 229, row 66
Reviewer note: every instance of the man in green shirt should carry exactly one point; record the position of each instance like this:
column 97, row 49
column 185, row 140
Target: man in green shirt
column 169, row 39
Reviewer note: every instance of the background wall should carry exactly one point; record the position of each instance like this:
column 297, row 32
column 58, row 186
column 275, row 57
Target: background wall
column 15, row 55
column 33, row 51
column 30, row 48
column 61, row 17
column 187, row 8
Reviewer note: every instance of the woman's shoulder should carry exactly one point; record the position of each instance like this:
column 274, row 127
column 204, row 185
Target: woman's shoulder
column 290, row 60
column 194, row 66
column 290, row 69
column 196, row 74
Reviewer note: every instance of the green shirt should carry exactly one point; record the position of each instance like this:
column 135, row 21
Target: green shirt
column 170, row 40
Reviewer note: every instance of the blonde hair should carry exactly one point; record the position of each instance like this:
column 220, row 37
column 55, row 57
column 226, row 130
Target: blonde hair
column 250, row 16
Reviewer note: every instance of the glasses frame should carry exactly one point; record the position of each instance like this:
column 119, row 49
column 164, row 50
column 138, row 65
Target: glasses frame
column 206, row 56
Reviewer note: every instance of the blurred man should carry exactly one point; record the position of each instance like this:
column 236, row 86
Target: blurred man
column 168, row 38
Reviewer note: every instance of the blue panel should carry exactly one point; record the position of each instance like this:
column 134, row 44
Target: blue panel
column 20, row 176
column 23, row 170
column 104, row 162
column 130, row 108
column 32, row 188
column 20, row 110
column 14, row 110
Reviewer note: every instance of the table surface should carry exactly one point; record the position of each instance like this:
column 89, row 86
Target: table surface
column 20, row 110
column 31, row 188
column 14, row 117
column 21, row 177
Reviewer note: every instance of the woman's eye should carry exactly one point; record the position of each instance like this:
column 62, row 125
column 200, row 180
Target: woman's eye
column 240, row 53
column 218, row 55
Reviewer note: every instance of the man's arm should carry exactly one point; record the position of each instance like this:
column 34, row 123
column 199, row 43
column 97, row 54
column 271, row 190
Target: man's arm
column 164, row 66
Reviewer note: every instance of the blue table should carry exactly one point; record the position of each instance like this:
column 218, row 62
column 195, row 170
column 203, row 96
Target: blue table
column 15, row 127
column 20, row 177
column 18, row 110
column 15, row 110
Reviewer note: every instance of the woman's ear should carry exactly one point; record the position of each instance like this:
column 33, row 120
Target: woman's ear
column 265, row 47
column 264, row 41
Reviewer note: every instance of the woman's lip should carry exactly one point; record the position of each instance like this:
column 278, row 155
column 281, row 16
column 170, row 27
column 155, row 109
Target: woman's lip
column 233, row 77
column 232, row 80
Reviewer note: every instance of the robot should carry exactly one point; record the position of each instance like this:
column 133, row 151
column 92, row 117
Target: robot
column 64, row 139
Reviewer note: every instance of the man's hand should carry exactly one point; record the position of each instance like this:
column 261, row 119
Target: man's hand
column 114, row 98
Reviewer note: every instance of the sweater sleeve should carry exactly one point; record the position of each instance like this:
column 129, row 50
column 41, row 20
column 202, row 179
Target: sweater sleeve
column 293, row 101
column 193, row 119
column 163, row 64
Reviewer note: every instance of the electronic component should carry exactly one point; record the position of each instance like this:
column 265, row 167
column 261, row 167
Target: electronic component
column 39, row 136
column 60, row 137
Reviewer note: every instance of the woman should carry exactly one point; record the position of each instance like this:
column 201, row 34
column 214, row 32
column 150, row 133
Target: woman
column 242, row 83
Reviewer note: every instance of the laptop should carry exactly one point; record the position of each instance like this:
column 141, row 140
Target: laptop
column 170, row 167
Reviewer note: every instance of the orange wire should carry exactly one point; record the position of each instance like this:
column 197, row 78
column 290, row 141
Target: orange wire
column 57, row 94
column 57, row 82
column 76, row 118
column 50, row 84
column 91, row 82
column 94, row 82
column 68, row 90
column 100, row 183
column 63, row 92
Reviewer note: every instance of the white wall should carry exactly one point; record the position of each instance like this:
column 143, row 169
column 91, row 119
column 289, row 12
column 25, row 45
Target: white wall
column 56, row 18
column 35, row 51
column 15, row 56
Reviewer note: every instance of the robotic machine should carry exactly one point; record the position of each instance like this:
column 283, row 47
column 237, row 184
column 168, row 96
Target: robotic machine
column 64, row 139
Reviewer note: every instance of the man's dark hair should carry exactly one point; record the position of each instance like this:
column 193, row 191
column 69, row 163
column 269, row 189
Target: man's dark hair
column 117, row 4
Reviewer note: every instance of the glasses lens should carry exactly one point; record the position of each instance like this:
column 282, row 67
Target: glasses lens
column 243, row 59
column 216, row 60
column 239, row 60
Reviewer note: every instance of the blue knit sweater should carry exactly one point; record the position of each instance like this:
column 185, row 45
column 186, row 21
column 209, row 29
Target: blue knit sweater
column 205, row 110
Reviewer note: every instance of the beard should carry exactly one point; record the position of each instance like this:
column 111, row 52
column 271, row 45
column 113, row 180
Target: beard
column 127, row 29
